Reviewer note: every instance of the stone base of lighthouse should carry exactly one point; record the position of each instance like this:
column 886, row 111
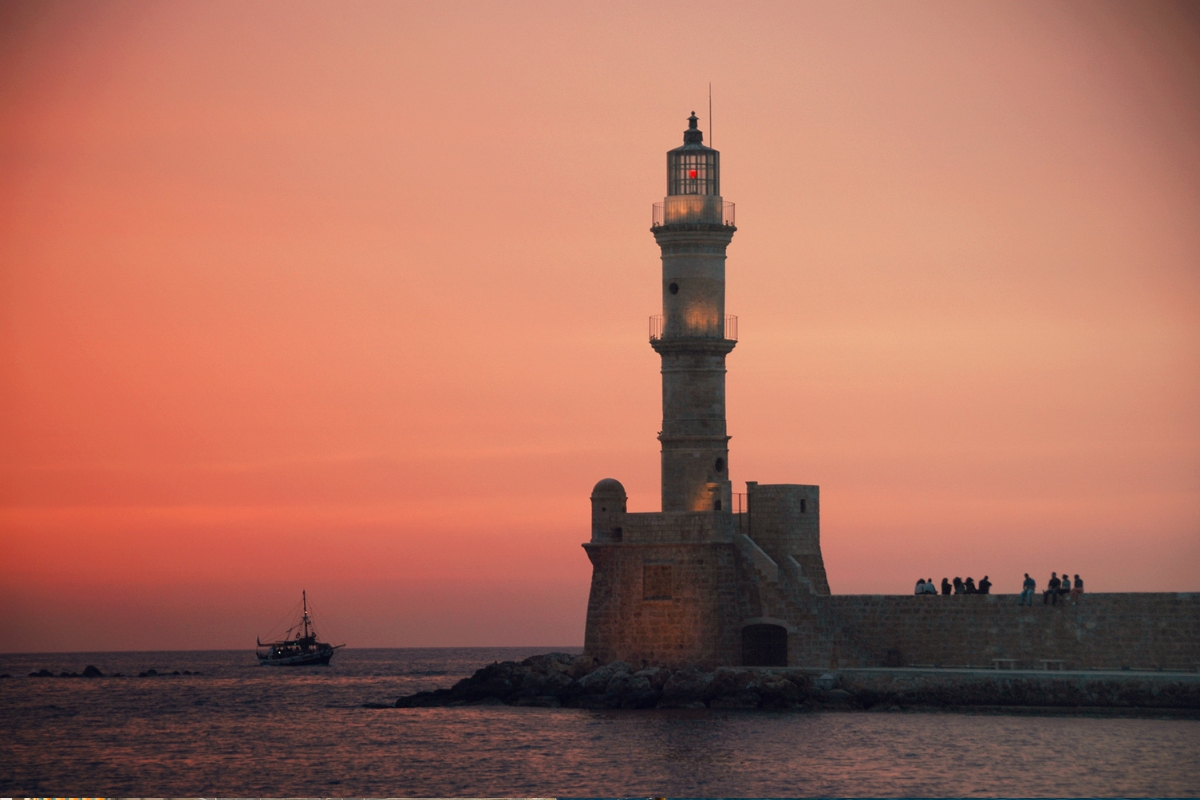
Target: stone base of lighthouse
column 711, row 588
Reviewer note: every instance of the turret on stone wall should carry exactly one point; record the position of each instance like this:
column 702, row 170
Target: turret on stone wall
column 608, row 511
column 784, row 519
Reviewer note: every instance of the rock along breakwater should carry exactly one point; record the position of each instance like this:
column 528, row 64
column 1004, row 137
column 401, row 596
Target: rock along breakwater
column 558, row 680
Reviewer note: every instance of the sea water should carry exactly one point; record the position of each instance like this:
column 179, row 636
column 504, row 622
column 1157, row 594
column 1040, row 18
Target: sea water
column 238, row 729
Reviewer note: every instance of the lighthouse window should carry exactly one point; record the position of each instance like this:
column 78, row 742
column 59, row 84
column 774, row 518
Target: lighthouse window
column 803, row 506
column 721, row 465
column 673, row 288
column 693, row 171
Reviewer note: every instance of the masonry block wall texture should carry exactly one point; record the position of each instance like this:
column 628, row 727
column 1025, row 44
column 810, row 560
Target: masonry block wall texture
column 1098, row 631
column 695, row 445
column 785, row 521
column 663, row 604
column 696, row 583
column 710, row 583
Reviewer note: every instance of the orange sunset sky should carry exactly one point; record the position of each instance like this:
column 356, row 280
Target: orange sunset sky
column 352, row 297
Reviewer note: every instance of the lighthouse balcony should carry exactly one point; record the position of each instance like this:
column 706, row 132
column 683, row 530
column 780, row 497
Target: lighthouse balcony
column 693, row 209
column 700, row 327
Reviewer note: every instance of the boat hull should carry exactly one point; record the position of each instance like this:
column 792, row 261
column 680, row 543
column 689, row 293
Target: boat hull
column 297, row 660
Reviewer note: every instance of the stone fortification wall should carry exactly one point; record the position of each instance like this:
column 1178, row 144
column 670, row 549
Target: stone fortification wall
column 711, row 588
column 1100, row 631
column 670, row 605
column 683, row 526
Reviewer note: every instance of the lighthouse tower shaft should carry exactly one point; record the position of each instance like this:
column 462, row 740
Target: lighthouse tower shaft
column 693, row 227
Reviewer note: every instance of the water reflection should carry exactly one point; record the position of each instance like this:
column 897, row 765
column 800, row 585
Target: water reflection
column 239, row 729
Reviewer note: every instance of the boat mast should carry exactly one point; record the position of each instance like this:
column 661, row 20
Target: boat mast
column 304, row 598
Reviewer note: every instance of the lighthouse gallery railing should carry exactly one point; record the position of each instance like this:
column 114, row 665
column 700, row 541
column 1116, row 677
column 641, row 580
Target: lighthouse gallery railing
column 692, row 209
column 658, row 325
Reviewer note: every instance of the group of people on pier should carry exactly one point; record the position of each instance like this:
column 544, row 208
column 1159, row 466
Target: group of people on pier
column 1057, row 589
column 958, row 587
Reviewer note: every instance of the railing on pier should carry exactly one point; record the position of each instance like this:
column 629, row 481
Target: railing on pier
column 692, row 209
column 730, row 332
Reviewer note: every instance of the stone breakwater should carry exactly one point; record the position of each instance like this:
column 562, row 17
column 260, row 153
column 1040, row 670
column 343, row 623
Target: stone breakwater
column 91, row 671
column 561, row 680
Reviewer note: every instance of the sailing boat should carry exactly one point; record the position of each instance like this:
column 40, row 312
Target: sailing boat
column 300, row 650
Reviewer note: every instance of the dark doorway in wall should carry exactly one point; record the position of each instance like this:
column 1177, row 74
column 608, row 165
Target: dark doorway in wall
column 764, row 646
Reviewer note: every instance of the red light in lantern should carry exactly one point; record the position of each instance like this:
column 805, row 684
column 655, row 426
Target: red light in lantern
column 693, row 174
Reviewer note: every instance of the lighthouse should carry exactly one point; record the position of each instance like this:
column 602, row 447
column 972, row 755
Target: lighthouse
column 700, row 582
column 706, row 583
column 693, row 226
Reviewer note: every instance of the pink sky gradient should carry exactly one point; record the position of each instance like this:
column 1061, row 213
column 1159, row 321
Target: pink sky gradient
column 353, row 298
